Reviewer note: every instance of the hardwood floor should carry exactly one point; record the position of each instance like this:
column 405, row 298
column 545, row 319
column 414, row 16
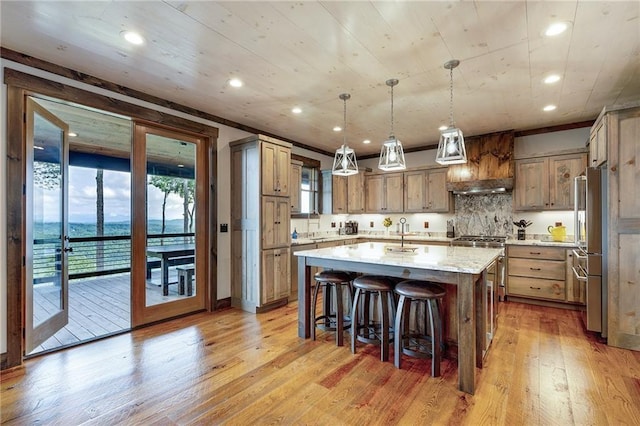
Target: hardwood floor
column 232, row 367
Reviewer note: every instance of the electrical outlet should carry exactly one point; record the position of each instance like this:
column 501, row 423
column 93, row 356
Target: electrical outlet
column 371, row 224
column 426, row 225
column 224, row 227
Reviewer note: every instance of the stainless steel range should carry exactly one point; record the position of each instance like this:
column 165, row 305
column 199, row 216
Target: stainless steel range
column 479, row 241
column 495, row 278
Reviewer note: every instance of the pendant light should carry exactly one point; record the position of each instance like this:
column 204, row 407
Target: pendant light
column 451, row 149
column 392, row 154
column 344, row 163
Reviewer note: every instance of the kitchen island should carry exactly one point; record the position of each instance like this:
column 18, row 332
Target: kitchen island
column 464, row 267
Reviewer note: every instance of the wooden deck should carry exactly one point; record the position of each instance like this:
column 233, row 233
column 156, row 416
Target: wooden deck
column 98, row 307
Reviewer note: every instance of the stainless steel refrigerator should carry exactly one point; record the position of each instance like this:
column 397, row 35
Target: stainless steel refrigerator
column 590, row 266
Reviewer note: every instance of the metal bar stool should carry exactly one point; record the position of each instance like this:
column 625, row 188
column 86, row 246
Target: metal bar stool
column 331, row 321
column 366, row 330
column 416, row 344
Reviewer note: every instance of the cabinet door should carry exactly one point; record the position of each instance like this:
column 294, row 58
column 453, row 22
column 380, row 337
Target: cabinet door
column 415, row 191
column 394, row 196
column 282, row 170
column 438, row 198
column 268, row 165
column 598, row 143
column 375, row 193
column 282, row 273
column 339, row 194
column 356, row 197
column 283, row 229
column 275, row 222
column 532, row 184
column 268, row 269
column 562, row 170
column 296, row 180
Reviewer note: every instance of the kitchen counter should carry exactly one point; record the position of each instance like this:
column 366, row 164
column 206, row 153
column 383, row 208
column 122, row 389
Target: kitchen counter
column 463, row 267
column 390, row 237
column 543, row 242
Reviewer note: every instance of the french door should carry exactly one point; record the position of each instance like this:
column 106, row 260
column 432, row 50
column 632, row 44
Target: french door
column 47, row 241
column 169, row 229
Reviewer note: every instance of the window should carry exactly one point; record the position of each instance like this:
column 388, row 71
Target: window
column 309, row 190
column 310, row 187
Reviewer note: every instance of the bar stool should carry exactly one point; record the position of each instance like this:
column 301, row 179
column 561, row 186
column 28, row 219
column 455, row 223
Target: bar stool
column 368, row 331
column 416, row 344
column 331, row 321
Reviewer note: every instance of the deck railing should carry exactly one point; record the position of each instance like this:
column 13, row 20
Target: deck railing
column 94, row 256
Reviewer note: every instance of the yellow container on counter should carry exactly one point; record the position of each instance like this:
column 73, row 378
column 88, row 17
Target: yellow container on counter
column 558, row 233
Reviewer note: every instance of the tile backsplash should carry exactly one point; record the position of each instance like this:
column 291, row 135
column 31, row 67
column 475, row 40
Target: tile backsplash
column 490, row 214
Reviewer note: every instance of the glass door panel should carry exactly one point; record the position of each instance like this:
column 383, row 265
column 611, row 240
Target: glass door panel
column 169, row 228
column 170, row 219
column 47, row 307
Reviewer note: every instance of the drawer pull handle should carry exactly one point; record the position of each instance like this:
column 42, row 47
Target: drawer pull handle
column 535, row 269
column 535, row 288
column 534, row 252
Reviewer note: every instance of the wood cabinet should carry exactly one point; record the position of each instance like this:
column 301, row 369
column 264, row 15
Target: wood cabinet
column 598, row 142
column 260, row 223
column 275, row 168
column 384, row 193
column 275, row 222
column 426, row 191
column 275, row 275
column 356, row 196
column 546, row 183
column 342, row 194
column 536, row 272
column 622, row 139
column 295, row 186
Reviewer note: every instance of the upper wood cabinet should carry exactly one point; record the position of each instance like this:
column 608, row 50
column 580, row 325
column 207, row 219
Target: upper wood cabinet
column 384, row 193
column 356, row 197
column 546, row 183
column 276, row 167
column 295, row 185
column 426, row 191
column 598, row 142
column 339, row 194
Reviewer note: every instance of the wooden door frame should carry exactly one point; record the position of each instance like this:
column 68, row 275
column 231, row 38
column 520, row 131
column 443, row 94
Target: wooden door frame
column 19, row 86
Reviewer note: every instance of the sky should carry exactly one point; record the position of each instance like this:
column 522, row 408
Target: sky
column 117, row 195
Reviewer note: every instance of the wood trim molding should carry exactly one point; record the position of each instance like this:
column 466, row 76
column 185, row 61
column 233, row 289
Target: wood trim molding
column 30, row 61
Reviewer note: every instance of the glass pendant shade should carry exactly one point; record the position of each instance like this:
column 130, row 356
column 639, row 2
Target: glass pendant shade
column 344, row 162
column 392, row 155
column 451, row 149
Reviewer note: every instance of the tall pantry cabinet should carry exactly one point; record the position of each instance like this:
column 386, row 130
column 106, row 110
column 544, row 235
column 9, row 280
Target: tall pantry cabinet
column 260, row 223
column 617, row 135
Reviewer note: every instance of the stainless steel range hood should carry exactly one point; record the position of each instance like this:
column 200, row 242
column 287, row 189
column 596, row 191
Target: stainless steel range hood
column 490, row 167
column 481, row 187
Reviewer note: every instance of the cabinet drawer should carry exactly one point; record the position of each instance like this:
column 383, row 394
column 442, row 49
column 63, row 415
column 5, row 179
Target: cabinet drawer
column 536, row 252
column 535, row 287
column 537, row 268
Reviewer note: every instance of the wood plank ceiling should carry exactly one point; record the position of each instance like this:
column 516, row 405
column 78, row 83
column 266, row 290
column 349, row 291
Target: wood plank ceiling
column 306, row 53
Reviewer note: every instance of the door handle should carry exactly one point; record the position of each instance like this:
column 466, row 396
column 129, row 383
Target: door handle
column 67, row 249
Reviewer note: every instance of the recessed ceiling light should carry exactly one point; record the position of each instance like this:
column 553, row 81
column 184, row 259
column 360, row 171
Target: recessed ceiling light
column 132, row 37
column 337, row 129
column 553, row 78
column 366, row 141
column 73, row 134
column 296, row 110
column 556, row 28
column 443, row 127
column 549, row 108
column 235, row 82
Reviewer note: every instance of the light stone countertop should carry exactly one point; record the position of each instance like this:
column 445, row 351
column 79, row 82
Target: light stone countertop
column 471, row 260
column 390, row 237
column 543, row 242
